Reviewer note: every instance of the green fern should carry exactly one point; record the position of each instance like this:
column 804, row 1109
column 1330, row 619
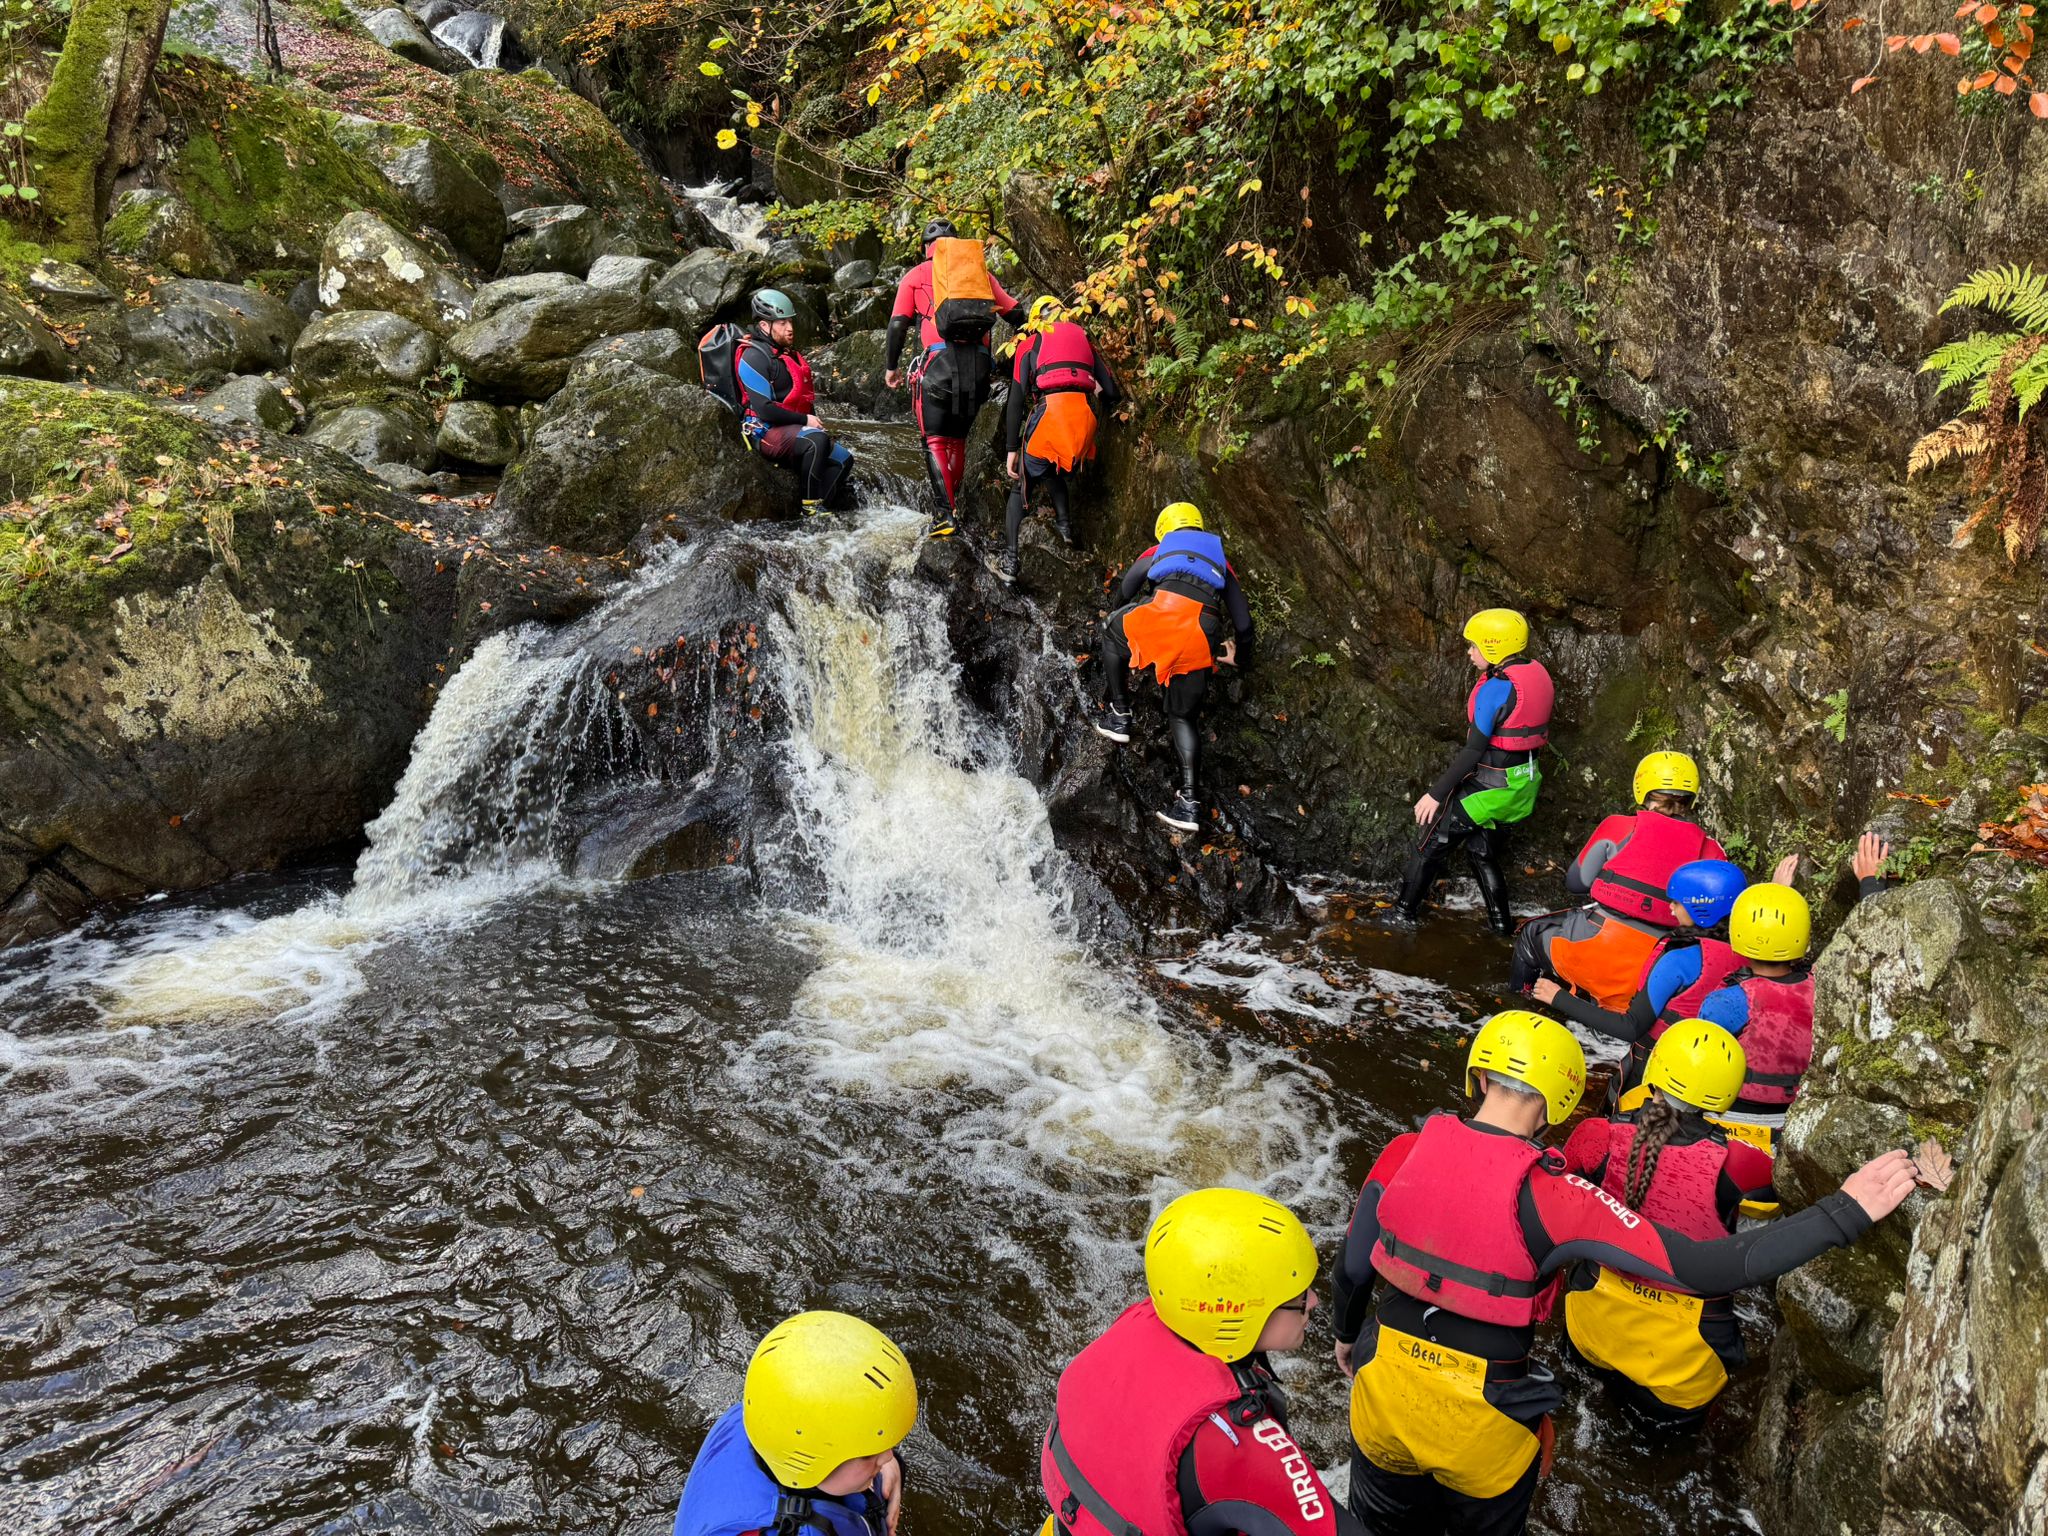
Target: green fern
column 1187, row 341
column 2030, row 382
column 2015, row 291
column 1971, row 358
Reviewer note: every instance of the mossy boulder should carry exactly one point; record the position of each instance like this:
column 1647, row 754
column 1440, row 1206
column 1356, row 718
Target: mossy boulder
column 476, row 432
column 523, row 352
column 507, row 291
column 27, row 346
column 565, row 237
column 248, row 400
column 194, row 331
column 707, row 285
column 409, row 40
column 362, row 351
column 155, row 228
column 444, row 188
column 378, row 432
column 215, row 648
column 622, row 449
column 662, row 350
column 366, row 264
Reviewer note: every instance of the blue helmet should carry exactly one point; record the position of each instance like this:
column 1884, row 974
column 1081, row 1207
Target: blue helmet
column 1707, row 889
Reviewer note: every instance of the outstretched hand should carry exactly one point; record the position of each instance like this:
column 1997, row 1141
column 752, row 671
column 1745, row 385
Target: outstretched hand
column 1871, row 853
column 1881, row 1184
column 1788, row 866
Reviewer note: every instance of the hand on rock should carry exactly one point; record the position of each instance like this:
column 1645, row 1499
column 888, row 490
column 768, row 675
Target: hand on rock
column 1544, row 990
column 1871, row 853
column 1788, row 866
column 1881, row 1184
column 1425, row 810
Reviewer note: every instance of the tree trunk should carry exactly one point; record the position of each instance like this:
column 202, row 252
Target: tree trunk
column 83, row 133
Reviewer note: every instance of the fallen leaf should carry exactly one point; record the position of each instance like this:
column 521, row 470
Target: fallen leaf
column 1933, row 1168
column 639, row 1190
column 177, row 821
column 1866, row 80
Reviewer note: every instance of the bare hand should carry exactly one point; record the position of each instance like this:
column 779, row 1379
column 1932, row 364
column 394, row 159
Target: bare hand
column 813, row 422
column 1544, row 990
column 892, row 1489
column 1010, row 464
column 893, row 378
column 1425, row 810
column 1871, row 852
column 1788, row 866
column 1343, row 1353
column 1228, row 655
column 1881, row 1184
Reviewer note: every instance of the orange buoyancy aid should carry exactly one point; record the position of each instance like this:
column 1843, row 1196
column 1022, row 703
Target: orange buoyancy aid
column 1777, row 1041
column 1526, row 726
column 1126, row 1408
column 1451, row 1226
column 1063, row 431
column 1684, row 1190
column 1635, row 878
column 1165, row 633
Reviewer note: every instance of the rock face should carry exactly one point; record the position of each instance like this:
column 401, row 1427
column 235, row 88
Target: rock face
column 851, row 371
column 408, row 39
column 705, row 285
column 27, row 346
column 507, row 291
column 662, row 350
column 197, row 331
column 1905, row 1387
column 366, row 264
column 559, row 239
column 362, row 351
column 241, row 685
column 523, row 352
column 159, row 229
column 377, row 433
column 623, row 448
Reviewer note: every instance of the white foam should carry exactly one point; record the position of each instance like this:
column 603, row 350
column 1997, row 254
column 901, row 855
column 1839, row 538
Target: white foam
column 744, row 224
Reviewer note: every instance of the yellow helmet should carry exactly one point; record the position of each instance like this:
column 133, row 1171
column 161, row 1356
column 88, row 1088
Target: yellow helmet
column 1698, row 1062
column 1499, row 633
column 1770, row 922
column 1044, row 310
column 1672, row 772
column 823, row 1389
column 1534, row 1050
column 1218, row 1261
column 1181, row 514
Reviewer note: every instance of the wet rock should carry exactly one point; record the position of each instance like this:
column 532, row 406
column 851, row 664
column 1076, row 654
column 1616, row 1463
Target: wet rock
column 409, row 40
column 524, row 350
column 366, row 264
column 477, row 37
column 196, row 331
column 362, row 350
column 250, row 400
column 855, row 274
column 403, row 477
column 636, row 275
column 441, row 189
column 851, row 371
column 566, row 238
column 66, row 287
column 507, row 291
column 172, row 718
column 704, row 286
column 386, row 432
column 27, row 346
column 433, row 12
column 662, row 350
column 157, row 228
column 1043, row 236
column 623, row 448
column 864, row 309
column 474, row 432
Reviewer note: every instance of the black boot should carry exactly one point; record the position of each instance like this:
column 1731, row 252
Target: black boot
column 1493, row 890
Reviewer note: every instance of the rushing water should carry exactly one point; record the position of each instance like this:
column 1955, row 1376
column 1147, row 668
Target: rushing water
column 449, row 1193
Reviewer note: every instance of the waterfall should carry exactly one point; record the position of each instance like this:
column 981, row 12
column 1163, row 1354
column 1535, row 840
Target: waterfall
column 477, row 35
column 743, row 224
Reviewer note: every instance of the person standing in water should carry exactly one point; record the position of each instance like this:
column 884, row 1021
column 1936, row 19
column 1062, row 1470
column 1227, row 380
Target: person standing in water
column 1049, row 419
column 1492, row 781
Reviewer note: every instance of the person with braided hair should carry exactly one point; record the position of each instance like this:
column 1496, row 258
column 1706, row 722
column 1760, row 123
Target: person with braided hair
column 1665, row 1351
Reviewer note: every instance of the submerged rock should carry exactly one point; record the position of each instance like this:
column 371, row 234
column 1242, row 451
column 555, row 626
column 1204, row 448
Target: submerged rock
column 366, row 264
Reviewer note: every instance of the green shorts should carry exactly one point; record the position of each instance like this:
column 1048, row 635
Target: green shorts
column 1511, row 803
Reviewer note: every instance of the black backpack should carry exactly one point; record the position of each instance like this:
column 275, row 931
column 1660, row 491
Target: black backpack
column 718, row 362
column 955, row 382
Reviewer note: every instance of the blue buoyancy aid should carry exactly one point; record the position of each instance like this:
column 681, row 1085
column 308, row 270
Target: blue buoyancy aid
column 729, row 1493
column 1192, row 554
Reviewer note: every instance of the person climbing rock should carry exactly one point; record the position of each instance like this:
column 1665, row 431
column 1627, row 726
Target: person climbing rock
column 1604, row 950
column 1768, row 1003
column 1468, row 1226
column 776, row 396
column 1492, row 781
column 1695, row 962
column 1175, row 631
column 1049, row 420
column 811, row 1448
column 1171, row 1423
column 953, row 300
column 1668, row 1353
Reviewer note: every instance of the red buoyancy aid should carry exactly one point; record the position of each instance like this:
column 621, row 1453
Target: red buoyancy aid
column 1633, row 881
column 1717, row 963
column 1451, row 1225
column 1777, row 1041
column 1127, row 1407
column 1066, row 358
column 1685, row 1188
column 1526, row 725
column 803, row 393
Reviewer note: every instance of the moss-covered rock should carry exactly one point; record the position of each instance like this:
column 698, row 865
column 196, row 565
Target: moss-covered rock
column 447, row 188
column 362, row 351
column 155, row 228
column 366, row 264
column 523, row 352
column 215, row 647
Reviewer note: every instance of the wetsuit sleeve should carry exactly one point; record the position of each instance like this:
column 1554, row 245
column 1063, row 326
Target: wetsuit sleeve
column 1256, row 1481
column 1461, row 764
column 1729, row 1008
column 899, row 332
column 1106, row 381
column 1240, row 615
column 1605, row 842
column 1565, row 1219
column 1674, row 971
column 1352, row 1285
column 759, row 392
column 1007, row 308
column 1026, row 375
column 1134, row 577
column 1872, row 885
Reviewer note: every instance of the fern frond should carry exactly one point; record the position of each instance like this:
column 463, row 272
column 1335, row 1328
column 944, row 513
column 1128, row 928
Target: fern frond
column 1187, row 341
column 2012, row 290
column 1960, row 438
column 1971, row 358
column 2030, row 382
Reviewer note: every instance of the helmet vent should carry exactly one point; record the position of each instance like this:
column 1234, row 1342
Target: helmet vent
column 877, row 1378
column 1268, row 1224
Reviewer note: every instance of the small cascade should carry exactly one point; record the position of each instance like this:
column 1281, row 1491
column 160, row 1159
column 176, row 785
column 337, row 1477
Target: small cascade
column 478, row 36
column 744, row 224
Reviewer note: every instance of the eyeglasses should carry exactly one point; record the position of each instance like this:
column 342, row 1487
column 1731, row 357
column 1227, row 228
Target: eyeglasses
column 1300, row 1304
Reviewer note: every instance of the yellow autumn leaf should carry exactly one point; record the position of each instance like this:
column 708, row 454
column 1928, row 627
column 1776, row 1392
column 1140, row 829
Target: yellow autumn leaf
column 709, row 68
column 1249, row 185
column 727, row 139
column 1561, row 43
column 874, row 94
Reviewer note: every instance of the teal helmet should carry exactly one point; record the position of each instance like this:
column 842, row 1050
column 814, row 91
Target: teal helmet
column 773, row 304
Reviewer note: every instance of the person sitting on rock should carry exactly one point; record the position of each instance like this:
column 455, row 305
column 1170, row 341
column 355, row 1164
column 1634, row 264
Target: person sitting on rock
column 1667, row 1353
column 1058, row 377
column 1466, row 1228
column 944, row 424
column 810, row 1449
column 1604, row 949
column 776, row 396
column 1492, row 782
column 1175, row 631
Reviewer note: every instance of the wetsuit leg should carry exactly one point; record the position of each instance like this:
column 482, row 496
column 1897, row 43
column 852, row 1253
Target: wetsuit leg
column 1482, row 853
column 1451, row 827
column 820, row 463
column 1116, row 660
column 1183, row 698
column 1531, row 958
column 1013, row 518
column 1393, row 1504
column 1059, row 505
